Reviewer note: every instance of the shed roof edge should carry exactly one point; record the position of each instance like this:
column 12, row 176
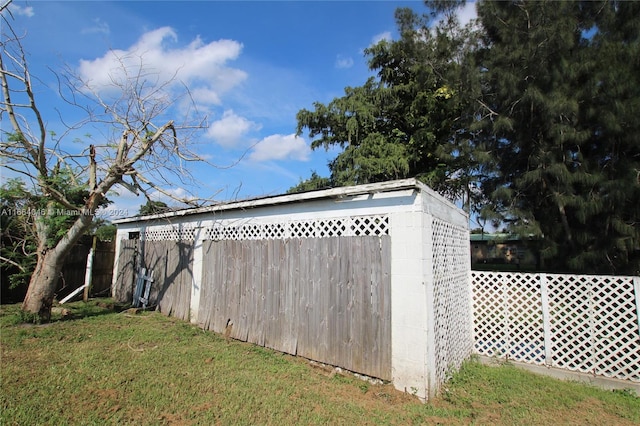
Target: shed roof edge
column 273, row 200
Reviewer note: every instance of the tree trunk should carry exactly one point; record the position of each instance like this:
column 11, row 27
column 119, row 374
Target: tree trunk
column 44, row 280
column 42, row 286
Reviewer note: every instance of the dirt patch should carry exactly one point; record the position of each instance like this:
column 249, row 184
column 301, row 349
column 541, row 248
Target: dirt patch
column 370, row 393
column 34, row 325
column 368, row 396
column 173, row 420
column 590, row 411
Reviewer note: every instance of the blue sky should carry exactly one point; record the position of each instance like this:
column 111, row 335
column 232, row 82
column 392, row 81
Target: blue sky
column 250, row 66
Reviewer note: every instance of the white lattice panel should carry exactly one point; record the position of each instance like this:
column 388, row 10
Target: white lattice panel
column 312, row 228
column 451, row 296
column 508, row 316
column 570, row 307
column 591, row 323
column 169, row 233
column 594, row 325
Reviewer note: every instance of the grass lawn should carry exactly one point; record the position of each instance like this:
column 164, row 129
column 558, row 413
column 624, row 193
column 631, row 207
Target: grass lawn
column 104, row 367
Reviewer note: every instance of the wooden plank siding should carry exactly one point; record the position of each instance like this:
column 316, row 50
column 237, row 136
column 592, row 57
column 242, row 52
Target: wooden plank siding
column 125, row 275
column 171, row 263
column 102, row 273
column 326, row 299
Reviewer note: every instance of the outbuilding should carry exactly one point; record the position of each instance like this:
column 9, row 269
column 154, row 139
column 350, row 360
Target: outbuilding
column 374, row 278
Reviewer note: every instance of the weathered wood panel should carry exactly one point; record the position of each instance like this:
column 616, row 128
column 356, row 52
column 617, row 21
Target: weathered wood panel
column 125, row 276
column 171, row 263
column 326, row 299
column 102, row 273
column 154, row 259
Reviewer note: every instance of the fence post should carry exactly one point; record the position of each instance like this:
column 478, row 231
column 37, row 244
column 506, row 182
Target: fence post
column 546, row 319
column 636, row 290
column 506, row 312
column 197, row 273
column 88, row 276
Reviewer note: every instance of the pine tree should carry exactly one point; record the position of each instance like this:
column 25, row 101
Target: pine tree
column 560, row 91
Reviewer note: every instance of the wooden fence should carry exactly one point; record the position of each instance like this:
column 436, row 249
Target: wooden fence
column 73, row 272
column 74, row 269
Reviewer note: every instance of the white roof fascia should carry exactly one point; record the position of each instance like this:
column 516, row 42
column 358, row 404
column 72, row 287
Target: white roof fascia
column 339, row 192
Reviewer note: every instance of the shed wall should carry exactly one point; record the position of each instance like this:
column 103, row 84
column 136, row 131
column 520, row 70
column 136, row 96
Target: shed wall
column 326, row 299
column 452, row 301
column 125, row 268
column 376, row 283
column 172, row 266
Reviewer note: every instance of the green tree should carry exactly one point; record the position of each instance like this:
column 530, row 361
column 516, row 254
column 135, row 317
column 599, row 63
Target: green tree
column 561, row 98
column 153, row 207
column 18, row 242
column 104, row 230
column 21, row 209
column 414, row 119
column 311, row 184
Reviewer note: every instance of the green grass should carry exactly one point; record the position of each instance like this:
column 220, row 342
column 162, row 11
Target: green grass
column 104, row 367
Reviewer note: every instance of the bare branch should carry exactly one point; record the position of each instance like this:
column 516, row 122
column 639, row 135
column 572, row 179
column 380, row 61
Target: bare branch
column 92, row 167
column 148, row 142
column 492, row 113
column 17, row 265
column 6, row 5
column 187, row 201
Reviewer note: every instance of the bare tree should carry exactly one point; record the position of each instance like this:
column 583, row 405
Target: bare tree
column 138, row 148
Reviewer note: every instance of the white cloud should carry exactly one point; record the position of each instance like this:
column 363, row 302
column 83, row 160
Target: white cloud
column 205, row 96
column 281, row 147
column 124, row 204
column 99, row 27
column 202, row 67
column 344, row 61
column 466, row 13
column 171, row 196
column 21, row 11
column 230, row 129
column 382, row 36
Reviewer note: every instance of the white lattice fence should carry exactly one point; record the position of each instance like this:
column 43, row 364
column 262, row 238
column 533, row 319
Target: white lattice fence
column 451, row 297
column 582, row 323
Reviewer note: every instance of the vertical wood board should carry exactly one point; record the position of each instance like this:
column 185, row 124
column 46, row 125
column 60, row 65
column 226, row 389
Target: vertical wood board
column 326, row 299
column 125, row 279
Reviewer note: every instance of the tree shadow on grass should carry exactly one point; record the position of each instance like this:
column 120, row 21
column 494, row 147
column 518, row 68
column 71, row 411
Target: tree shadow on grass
column 13, row 315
